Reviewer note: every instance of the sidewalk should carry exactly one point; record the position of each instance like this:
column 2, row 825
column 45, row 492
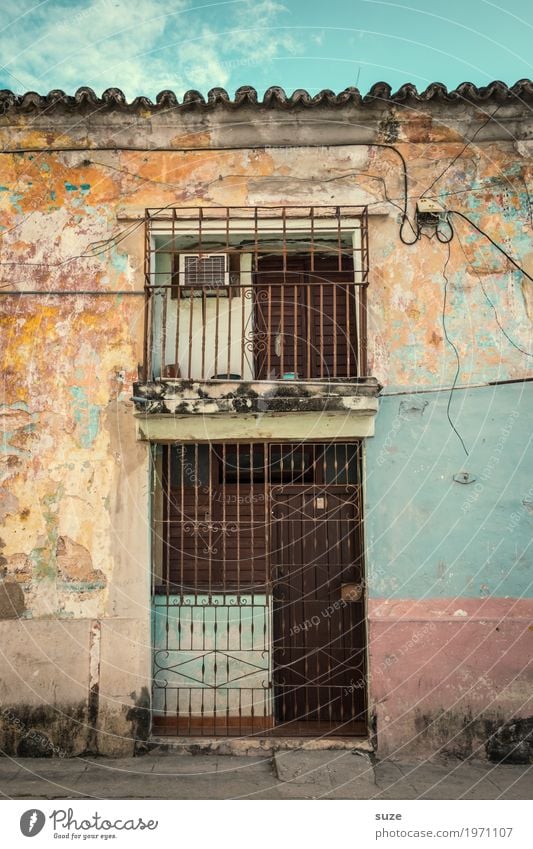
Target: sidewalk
column 296, row 774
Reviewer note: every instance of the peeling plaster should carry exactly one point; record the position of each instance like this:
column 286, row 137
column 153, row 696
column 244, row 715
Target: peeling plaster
column 86, row 416
column 74, row 564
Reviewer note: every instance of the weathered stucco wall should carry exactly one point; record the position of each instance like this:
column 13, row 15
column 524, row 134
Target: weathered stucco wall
column 74, row 490
column 449, row 568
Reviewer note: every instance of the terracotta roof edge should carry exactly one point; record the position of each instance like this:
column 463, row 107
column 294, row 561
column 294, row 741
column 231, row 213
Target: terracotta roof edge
column 274, row 97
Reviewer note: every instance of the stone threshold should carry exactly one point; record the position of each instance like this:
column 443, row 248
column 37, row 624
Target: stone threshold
column 256, row 746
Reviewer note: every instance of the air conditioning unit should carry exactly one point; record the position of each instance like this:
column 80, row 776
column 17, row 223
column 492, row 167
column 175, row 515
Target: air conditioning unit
column 203, row 274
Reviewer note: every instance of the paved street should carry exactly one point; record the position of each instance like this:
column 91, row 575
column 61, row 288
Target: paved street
column 296, row 774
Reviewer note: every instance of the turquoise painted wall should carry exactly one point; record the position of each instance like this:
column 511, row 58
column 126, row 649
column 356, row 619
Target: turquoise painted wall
column 428, row 536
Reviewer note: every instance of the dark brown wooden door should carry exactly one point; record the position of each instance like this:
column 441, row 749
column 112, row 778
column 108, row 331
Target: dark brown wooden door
column 319, row 635
column 305, row 320
column 280, row 321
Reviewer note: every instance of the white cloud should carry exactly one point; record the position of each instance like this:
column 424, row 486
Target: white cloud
column 140, row 47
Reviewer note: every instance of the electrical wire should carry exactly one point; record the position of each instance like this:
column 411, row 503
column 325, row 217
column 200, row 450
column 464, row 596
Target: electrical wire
column 488, row 299
column 403, row 208
column 116, row 148
column 97, row 248
column 458, row 156
column 452, row 345
column 447, row 239
column 101, row 247
column 273, row 178
column 483, row 188
column 491, row 240
column 457, row 388
column 405, row 176
column 391, row 200
column 108, row 244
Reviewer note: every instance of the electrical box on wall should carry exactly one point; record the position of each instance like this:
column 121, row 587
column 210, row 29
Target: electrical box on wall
column 428, row 212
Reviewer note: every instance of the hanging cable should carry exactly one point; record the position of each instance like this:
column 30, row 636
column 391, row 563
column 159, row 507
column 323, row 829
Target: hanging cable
column 458, row 156
column 488, row 299
column 120, row 148
column 444, row 240
column 491, row 240
column 452, row 345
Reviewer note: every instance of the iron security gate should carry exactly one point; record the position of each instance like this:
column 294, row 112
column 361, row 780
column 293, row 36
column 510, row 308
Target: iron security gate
column 318, row 609
column 258, row 615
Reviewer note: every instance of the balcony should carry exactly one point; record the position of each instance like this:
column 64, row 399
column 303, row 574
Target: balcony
column 255, row 321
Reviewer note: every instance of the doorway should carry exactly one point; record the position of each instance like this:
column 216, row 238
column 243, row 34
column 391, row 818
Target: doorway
column 258, row 615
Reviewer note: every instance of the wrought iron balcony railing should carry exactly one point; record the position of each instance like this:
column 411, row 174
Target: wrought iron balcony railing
column 256, row 294
column 262, row 332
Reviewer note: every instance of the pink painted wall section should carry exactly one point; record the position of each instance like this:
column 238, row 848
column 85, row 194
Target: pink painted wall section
column 444, row 673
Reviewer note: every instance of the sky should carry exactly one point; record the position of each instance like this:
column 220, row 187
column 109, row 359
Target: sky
column 145, row 46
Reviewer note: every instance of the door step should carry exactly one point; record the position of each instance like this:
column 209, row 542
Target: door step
column 267, row 746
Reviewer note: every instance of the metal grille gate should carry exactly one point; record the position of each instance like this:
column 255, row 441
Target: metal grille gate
column 256, row 548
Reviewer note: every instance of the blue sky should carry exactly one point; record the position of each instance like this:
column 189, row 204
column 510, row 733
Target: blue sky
column 144, row 46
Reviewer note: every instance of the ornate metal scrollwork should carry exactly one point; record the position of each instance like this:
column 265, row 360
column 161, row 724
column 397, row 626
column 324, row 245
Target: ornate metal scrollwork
column 256, row 341
column 202, row 528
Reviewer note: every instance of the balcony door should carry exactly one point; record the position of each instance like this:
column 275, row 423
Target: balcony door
column 305, row 317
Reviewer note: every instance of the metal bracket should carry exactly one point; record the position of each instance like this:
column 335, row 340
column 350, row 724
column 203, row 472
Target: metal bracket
column 464, row 477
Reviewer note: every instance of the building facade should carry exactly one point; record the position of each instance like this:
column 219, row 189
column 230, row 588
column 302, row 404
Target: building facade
column 266, row 418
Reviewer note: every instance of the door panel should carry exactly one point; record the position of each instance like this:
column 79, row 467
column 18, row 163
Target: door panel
column 318, row 636
column 305, row 320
